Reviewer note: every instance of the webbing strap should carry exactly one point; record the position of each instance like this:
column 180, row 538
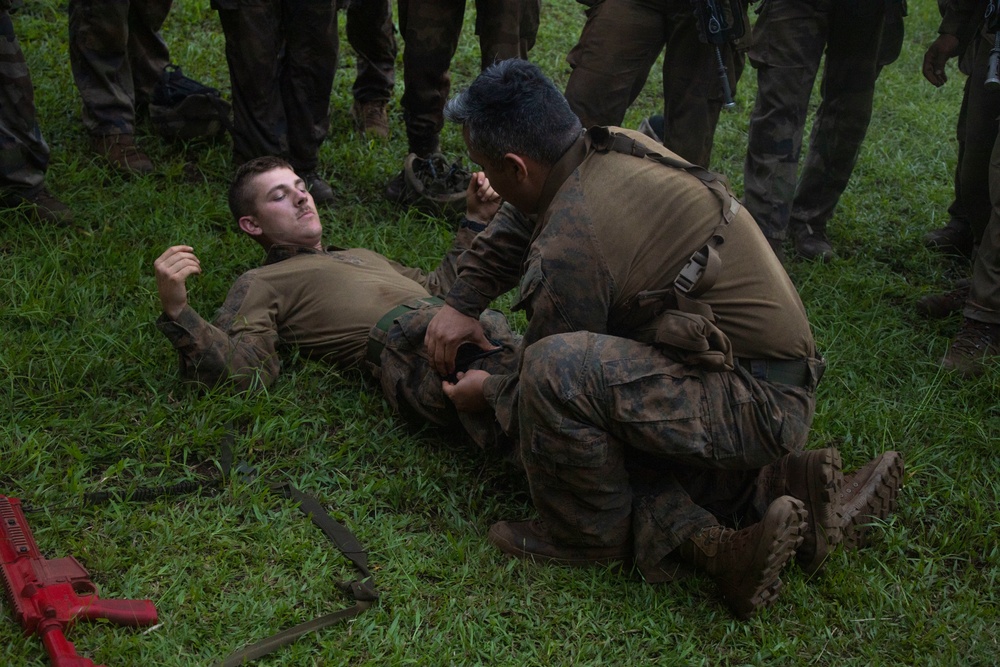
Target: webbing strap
column 363, row 591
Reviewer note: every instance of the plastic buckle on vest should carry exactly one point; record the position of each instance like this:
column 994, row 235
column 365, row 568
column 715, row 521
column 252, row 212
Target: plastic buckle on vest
column 699, row 273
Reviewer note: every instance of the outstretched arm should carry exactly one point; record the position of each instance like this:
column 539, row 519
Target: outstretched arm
column 240, row 347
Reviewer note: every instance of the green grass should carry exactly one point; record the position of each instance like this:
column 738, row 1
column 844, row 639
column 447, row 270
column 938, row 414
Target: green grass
column 90, row 401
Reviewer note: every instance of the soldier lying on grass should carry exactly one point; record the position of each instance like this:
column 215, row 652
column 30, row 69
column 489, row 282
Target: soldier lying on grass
column 347, row 306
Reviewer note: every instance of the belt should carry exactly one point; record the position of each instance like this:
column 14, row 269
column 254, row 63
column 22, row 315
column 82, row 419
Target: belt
column 796, row 372
column 375, row 346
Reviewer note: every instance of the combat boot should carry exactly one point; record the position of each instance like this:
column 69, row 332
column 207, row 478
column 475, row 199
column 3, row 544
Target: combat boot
column 938, row 306
column 371, row 118
column 43, row 205
column 974, row 344
column 320, row 190
column 867, row 495
column 122, row 154
column 814, row 477
column 746, row 564
column 530, row 540
column 955, row 238
column 811, row 243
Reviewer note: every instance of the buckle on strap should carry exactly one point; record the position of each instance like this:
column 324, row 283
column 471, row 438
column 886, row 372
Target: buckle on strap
column 700, row 273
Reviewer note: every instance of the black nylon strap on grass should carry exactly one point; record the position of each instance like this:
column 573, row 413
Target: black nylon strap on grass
column 364, row 592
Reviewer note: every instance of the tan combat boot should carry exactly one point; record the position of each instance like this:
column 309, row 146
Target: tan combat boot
column 746, row 564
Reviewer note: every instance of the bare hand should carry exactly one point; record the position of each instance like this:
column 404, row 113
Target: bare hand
column 173, row 268
column 938, row 53
column 467, row 394
column 481, row 200
column 446, row 333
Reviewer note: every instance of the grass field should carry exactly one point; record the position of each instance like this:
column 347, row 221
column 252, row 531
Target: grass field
column 90, row 400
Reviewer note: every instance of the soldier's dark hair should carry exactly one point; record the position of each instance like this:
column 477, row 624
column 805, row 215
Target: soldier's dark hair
column 241, row 198
column 512, row 107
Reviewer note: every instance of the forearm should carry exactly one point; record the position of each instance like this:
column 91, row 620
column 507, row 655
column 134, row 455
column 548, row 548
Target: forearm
column 212, row 356
column 492, row 265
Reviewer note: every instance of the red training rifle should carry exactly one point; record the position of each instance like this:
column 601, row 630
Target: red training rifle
column 48, row 596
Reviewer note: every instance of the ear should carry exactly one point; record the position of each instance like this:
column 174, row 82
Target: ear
column 517, row 165
column 249, row 225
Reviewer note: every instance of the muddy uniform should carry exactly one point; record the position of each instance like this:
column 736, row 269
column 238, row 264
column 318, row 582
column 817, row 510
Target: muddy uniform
column 790, row 37
column 619, row 44
column 24, row 155
column 281, row 76
column 619, row 434
column 430, row 30
column 371, row 34
column 117, row 56
column 327, row 304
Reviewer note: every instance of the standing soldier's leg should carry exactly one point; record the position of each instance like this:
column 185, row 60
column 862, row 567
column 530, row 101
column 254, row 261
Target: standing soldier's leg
column 977, row 343
column 147, row 52
column 24, row 155
column 611, row 60
column 306, row 83
column 789, row 38
column 371, row 34
column 841, row 122
column 430, row 30
column 692, row 89
column 253, row 45
column 506, row 29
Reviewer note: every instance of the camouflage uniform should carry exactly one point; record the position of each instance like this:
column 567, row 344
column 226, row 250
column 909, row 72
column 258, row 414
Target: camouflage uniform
column 117, row 56
column 790, row 37
column 430, row 30
column 281, row 76
column 620, row 42
column 371, row 34
column 612, row 400
column 24, row 155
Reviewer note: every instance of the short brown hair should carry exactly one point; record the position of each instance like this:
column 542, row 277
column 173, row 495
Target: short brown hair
column 241, row 198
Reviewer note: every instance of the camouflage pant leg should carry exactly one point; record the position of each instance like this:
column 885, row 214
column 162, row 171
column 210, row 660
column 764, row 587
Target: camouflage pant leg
column 980, row 132
column 619, row 44
column 430, row 30
column 371, row 34
column 841, row 122
column 281, row 83
column 984, row 289
column 24, row 156
column 692, row 89
column 117, row 55
column 611, row 61
column 589, row 402
column 413, row 388
column 789, row 37
column 506, row 29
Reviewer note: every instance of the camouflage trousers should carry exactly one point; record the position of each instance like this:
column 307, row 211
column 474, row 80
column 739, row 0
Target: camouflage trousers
column 371, row 34
column 983, row 304
column 413, row 387
column 24, row 155
column 790, row 37
column 430, row 30
column 117, row 56
column 281, row 76
column 621, row 443
column 978, row 133
column 619, row 44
